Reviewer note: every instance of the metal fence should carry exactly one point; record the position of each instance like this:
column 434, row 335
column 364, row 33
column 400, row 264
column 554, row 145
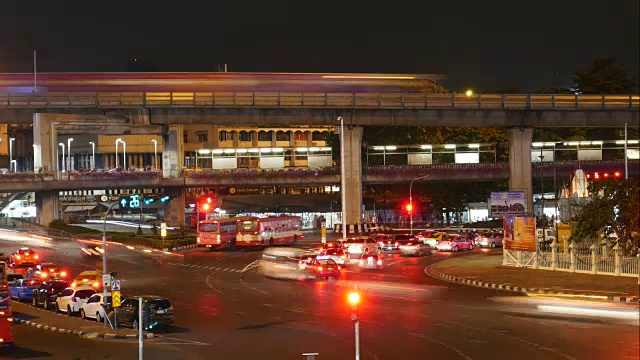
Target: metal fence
column 599, row 260
column 318, row 100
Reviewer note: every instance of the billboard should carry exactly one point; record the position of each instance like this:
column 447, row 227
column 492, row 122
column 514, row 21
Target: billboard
column 519, row 233
column 507, row 203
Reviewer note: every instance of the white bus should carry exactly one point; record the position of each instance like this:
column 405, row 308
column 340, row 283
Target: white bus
column 268, row 231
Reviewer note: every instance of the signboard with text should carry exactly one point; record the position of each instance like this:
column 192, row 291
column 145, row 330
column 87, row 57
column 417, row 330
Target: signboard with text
column 519, row 233
column 507, row 203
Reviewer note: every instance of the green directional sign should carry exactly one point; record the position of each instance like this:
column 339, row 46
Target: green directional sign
column 130, row 201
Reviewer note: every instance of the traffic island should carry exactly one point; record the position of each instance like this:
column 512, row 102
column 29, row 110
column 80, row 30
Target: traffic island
column 486, row 270
column 61, row 323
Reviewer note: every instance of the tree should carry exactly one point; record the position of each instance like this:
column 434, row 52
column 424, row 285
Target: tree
column 604, row 77
column 614, row 209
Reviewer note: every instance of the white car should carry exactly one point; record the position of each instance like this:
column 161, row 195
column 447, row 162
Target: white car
column 361, row 246
column 94, row 307
column 337, row 255
column 71, row 300
column 416, row 247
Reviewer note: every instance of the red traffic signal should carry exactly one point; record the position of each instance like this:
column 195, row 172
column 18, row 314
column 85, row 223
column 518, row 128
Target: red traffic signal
column 353, row 298
column 604, row 175
column 209, row 200
column 409, row 207
column 205, row 206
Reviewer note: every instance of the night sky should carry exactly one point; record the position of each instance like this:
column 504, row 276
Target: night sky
column 479, row 44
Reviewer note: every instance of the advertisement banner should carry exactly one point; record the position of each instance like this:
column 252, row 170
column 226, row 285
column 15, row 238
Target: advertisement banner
column 507, row 203
column 520, row 233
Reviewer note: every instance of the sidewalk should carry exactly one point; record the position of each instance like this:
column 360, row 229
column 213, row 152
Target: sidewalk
column 486, row 270
column 60, row 322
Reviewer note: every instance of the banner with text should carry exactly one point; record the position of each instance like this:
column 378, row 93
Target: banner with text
column 520, row 233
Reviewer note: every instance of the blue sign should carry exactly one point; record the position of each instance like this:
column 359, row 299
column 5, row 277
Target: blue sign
column 115, row 285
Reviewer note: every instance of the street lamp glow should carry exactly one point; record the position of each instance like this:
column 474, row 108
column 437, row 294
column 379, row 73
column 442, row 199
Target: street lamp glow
column 469, row 92
column 354, row 298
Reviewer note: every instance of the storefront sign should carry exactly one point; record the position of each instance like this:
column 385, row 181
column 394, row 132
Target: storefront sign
column 76, row 199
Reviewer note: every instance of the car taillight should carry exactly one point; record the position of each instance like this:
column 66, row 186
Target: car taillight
column 73, row 284
column 344, row 256
column 35, row 256
column 2, row 313
column 96, row 284
column 18, row 257
column 396, row 243
column 361, row 262
column 10, row 319
column 319, row 268
column 197, row 239
column 338, row 267
column 73, row 299
column 379, row 262
column 43, row 275
column 63, row 274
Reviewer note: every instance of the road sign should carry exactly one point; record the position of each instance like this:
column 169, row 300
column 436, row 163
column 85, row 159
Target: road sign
column 115, row 285
column 106, row 280
column 115, row 298
column 163, row 229
column 130, row 201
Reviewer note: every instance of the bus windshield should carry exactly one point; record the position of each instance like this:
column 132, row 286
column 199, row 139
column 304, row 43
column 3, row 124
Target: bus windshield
column 204, row 227
column 248, row 225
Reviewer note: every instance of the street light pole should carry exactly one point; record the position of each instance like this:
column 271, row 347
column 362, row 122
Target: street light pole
column 11, row 140
column 117, row 141
column 343, row 181
column 124, row 155
column 104, row 255
column 93, row 154
column 626, row 164
column 544, row 238
column 155, row 153
column 411, row 200
column 69, row 140
column 64, row 168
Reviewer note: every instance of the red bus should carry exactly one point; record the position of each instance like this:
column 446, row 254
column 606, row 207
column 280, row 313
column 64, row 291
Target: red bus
column 268, row 231
column 217, row 233
column 6, row 318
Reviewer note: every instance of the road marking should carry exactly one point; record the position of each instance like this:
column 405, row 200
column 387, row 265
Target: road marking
column 395, row 262
column 183, row 341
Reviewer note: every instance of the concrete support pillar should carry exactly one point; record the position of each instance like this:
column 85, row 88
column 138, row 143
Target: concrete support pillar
column 254, row 138
column 174, row 211
column 353, row 172
column 273, row 138
column 47, row 207
column 520, row 163
column 45, row 140
column 173, row 152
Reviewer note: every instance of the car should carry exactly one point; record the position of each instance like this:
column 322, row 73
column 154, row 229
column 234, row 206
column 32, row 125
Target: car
column 431, row 238
column 12, row 278
column 337, row 255
column 371, row 261
column 70, row 300
column 454, row 242
column 50, row 271
column 158, row 314
column 45, row 295
column 94, row 308
column 91, row 251
column 391, row 242
column 22, row 289
column 24, row 256
column 416, row 247
column 361, row 246
column 489, row 240
column 323, row 269
column 91, row 279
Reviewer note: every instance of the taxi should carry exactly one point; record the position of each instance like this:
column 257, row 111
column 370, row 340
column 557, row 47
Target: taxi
column 88, row 279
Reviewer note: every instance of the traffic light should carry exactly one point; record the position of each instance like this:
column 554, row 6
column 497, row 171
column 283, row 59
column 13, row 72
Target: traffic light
column 597, row 175
column 354, row 298
column 149, row 200
column 165, row 198
column 206, row 206
column 209, row 200
column 409, row 207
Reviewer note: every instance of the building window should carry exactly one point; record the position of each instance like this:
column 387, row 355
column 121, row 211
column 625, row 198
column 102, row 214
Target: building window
column 282, row 136
column 185, row 136
column 203, row 137
column 264, row 135
column 246, row 136
column 225, row 136
column 318, row 136
column 300, row 136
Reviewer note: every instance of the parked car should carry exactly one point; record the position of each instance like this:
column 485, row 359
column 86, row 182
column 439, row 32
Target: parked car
column 70, row 300
column 45, row 295
column 12, row 278
column 415, row 247
column 22, row 289
column 24, row 256
column 158, row 314
column 489, row 240
column 453, row 242
column 94, row 308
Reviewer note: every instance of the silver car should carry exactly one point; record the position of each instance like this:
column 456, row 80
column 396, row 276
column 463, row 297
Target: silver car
column 415, row 248
column 489, row 240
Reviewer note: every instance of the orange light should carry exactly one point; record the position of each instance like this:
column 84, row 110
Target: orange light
column 353, row 298
column 43, row 275
column 205, row 207
column 63, row 274
column 617, row 174
column 606, row 175
column 18, row 257
column 209, row 200
column 379, row 262
column 409, row 207
column 96, row 284
column 319, row 268
column 197, row 239
column 10, row 319
column 73, row 284
column 35, row 256
column 338, row 267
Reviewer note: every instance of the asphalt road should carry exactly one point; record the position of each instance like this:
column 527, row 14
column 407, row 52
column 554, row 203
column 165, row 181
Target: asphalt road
column 404, row 315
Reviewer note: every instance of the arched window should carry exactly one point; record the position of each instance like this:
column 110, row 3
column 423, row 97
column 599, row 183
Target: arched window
column 282, row 136
column 300, row 135
column 246, row 136
column 318, row 136
column 264, row 135
column 224, row 136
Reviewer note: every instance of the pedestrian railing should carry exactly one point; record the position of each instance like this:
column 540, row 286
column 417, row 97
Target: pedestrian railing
column 318, row 100
column 600, row 260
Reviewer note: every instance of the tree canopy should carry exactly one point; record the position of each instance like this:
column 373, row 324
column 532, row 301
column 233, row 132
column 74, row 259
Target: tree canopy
column 604, row 77
column 614, row 209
